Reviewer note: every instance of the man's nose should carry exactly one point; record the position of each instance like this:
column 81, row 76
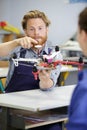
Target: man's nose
column 36, row 31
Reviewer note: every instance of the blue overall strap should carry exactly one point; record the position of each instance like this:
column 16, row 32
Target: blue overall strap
column 22, row 52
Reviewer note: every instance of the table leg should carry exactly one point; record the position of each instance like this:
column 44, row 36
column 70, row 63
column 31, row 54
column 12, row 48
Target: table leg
column 4, row 118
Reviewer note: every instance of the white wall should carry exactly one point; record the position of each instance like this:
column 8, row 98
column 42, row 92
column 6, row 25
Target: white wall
column 63, row 15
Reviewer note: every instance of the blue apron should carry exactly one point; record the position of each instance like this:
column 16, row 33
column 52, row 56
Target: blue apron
column 22, row 78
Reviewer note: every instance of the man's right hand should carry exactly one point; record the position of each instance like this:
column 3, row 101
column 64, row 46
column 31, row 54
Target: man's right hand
column 26, row 42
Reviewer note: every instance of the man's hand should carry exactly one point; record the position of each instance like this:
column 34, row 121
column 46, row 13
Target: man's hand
column 26, row 42
column 44, row 74
column 45, row 81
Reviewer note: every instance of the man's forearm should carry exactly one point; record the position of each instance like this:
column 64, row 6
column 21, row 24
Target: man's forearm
column 6, row 47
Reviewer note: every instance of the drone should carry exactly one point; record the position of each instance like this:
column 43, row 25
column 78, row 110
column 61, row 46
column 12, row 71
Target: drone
column 47, row 62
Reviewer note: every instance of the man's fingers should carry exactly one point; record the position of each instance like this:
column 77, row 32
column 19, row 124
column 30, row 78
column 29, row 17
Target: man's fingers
column 45, row 72
column 34, row 42
column 27, row 42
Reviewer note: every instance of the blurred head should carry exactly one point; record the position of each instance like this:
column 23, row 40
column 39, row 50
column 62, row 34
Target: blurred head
column 35, row 25
column 82, row 31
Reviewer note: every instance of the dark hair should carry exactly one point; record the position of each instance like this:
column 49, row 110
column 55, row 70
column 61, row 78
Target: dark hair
column 82, row 22
column 34, row 14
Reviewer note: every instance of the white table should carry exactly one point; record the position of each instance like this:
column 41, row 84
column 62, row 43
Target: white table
column 3, row 72
column 36, row 100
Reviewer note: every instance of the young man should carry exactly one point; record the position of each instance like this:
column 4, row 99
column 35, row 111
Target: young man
column 35, row 25
column 78, row 106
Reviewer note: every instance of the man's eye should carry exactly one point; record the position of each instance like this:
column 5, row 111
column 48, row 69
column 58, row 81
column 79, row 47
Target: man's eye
column 31, row 29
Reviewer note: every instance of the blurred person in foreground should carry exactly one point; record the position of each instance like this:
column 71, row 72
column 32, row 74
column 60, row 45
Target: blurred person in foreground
column 78, row 106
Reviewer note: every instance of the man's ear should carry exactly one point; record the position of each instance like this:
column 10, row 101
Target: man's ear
column 25, row 31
